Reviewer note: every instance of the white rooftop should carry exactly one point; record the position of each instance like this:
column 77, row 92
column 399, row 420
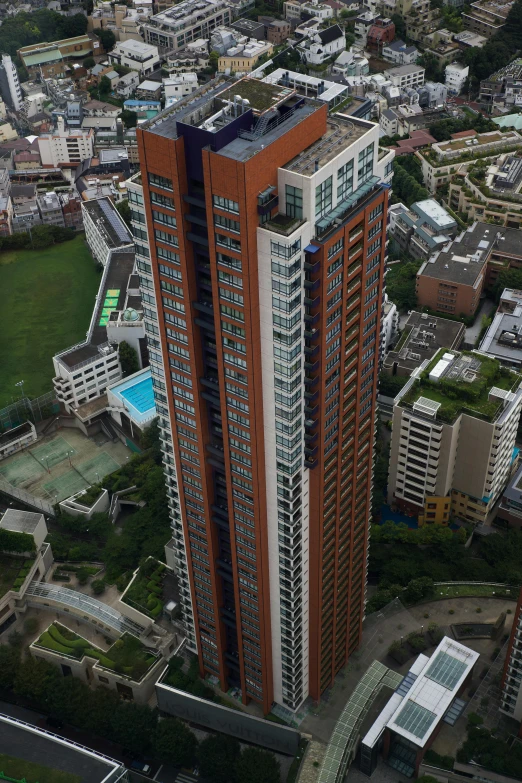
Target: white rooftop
column 330, row 89
column 433, row 691
column 434, row 210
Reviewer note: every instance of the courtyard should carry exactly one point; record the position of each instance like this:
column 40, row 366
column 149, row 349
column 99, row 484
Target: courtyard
column 49, row 307
column 63, row 463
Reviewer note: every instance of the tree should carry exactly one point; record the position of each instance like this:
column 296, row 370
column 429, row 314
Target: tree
column 133, row 726
column 128, row 359
column 174, row 743
column 89, row 62
column 129, row 118
column 213, row 60
column 509, row 278
column 107, row 38
column 36, row 679
column 124, row 210
column 104, row 87
column 217, row 755
column 400, row 284
column 400, row 26
column 9, row 664
column 257, row 766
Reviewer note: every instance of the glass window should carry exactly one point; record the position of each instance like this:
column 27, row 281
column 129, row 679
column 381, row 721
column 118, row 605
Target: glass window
column 160, row 182
column 365, row 165
column 323, row 197
column 225, row 203
column 345, row 180
column 294, row 201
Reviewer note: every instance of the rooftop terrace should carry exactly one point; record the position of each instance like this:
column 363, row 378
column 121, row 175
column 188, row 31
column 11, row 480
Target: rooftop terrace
column 470, row 383
column 103, row 212
column 340, row 133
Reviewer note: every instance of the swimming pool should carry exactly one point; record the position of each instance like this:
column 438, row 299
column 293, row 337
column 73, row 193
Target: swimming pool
column 140, row 396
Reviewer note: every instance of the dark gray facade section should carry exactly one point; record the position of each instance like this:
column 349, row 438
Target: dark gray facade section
column 238, row 724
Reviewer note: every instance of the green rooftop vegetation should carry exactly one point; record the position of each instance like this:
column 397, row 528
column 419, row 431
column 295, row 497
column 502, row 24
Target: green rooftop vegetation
column 260, row 94
column 13, row 572
column 126, row 656
column 460, row 396
column 20, row 771
column 145, row 593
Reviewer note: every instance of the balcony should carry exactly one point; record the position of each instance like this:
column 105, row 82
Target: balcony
column 283, row 224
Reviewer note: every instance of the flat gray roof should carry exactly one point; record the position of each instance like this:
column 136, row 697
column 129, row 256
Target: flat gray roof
column 464, row 259
column 426, row 335
column 20, row 521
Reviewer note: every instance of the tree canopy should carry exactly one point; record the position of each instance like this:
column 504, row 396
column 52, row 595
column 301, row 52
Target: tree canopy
column 25, row 29
column 407, row 180
column 400, row 284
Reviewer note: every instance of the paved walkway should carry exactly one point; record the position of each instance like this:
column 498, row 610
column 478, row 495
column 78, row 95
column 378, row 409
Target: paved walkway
column 389, row 624
column 486, row 308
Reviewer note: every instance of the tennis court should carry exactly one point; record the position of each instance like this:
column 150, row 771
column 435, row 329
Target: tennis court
column 21, row 469
column 64, row 486
column 96, row 468
column 53, row 453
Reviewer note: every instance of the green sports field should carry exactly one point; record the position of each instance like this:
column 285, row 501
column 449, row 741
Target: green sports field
column 47, row 301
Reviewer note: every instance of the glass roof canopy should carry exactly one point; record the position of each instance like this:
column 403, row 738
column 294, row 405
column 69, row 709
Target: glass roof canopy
column 96, row 610
column 415, row 719
column 446, row 670
column 342, row 745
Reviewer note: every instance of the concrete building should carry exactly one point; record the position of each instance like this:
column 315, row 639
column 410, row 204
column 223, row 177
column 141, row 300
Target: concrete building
column 331, row 93
column 456, row 77
column 422, row 337
column 400, row 53
column 194, row 59
column 149, row 90
column 71, row 210
column 243, row 58
column 454, row 431
column 176, row 87
column 278, row 31
column 294, row 202
column 250, row 28
column 503, row 339
column 404, row 76
column 323, row 44
column 487, row 17
column 188, row 21
column 136, row 55
column 452, row 280
column 390, row 325
column 504, row 87
column 105, row 231
column 127, row 84
column 412, row 718
column 17, row 439
column 509, row 515
column 50, row 209
column 65, row 146
column 10, row 84
column 511, row 681
column 50, row 59
column 380, row 34
column 423, row 229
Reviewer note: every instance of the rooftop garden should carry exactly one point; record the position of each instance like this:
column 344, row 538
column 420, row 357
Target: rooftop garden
column 21, row 771
column 126, row 656
column 490, row 752
column 13, row 572
column 145, row 592
column 90, row 496
column 459, row 396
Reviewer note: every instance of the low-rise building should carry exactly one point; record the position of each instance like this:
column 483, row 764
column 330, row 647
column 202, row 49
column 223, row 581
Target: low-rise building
column 179, row 25
column 380, row 34
column 17, row 439
column 454, row 432
column 504, row 87
column 176, row 87
column 423, row 229
column 50, row 209
column 278, row 31
column 194, row 59
column 95, row 108
column 456, row 77
column 405, row 76
column 250, row 28
column 149, row 90
column 71, row 210
column 389, row 325
column 331, row 93
column 400, row 53
column 65, row 146
column 414, row 714
column 145, row 109
column 136, row 55
column 244, row 57
column 422, row 337
column 487, row 17
column 127, row 84
column 503, row 339
column 50, row 59
column 105, row 231
column 323, row 45
column 452, row 280
column 509, row 514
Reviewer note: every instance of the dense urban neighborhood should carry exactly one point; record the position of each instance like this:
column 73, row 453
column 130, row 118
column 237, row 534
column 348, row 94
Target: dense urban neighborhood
column 261, row 391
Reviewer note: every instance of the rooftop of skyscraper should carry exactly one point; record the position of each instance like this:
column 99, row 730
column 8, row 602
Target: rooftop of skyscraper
column 468, row 382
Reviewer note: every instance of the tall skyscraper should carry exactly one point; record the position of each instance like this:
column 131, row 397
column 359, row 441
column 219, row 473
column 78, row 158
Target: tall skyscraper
column 260, row 236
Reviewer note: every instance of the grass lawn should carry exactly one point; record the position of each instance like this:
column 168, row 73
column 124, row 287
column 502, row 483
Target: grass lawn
column 456, row 591
column 47, row 306
column 34, row 773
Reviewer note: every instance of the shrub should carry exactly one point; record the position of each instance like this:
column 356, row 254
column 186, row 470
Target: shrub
column 399, row 652
column 417, row 642
column 31, row 625
column 451, row 611
column 478, row 610
column 474, row 719
column 83, row 575
column 98, row 586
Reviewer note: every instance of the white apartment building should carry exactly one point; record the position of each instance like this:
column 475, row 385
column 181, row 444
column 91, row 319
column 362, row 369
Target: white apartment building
column 456, row 75
column 65, row 146
column 406, row 76
column 10, row 84
column 460, row 447
column 185, row 22
column 105, row 231
column 137, row 55
column 178, row 86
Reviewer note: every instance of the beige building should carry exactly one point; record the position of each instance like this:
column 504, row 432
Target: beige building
column 486, row 17
column 454, row 429
column 245, row 60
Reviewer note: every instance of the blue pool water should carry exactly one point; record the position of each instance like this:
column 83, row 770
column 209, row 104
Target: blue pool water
column 140, row 396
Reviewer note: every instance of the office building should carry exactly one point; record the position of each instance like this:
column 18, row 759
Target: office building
column 511, row 680
column 10, row 84
column 454, row 430
column 262, row 282
column 186, row 22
